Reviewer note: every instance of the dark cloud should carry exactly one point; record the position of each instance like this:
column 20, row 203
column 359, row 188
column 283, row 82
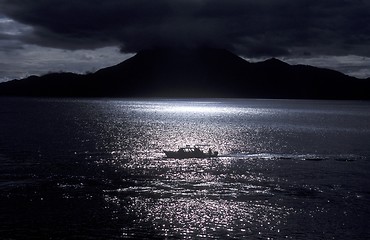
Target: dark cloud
column 248, row 27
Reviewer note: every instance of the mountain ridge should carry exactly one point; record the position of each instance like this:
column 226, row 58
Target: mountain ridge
column 195, row 73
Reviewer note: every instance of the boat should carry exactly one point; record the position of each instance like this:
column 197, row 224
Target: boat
column 191, row 152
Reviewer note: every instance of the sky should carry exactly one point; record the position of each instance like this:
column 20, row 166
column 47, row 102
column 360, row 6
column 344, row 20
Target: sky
column 41, row 36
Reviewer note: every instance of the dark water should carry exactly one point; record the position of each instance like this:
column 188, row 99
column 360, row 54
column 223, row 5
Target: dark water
column 94, row 169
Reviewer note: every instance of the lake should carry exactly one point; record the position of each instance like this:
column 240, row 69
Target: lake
column 95, row 168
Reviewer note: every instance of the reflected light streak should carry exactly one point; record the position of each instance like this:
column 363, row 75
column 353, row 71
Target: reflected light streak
column 195, row 109
column 203, row 109
column 192, row 107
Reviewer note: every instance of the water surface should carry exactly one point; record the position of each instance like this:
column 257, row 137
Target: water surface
column 96, row 169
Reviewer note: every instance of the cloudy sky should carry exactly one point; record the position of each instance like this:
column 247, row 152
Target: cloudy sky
column 40, row 36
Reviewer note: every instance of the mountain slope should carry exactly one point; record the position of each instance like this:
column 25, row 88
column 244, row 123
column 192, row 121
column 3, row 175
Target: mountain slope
column 195, row 73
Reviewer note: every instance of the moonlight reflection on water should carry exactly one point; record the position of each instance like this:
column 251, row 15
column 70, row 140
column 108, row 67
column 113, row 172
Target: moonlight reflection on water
column 243, row 193
column 287, row 169
column 171, row 124
column 189, row 197
column 198, row 197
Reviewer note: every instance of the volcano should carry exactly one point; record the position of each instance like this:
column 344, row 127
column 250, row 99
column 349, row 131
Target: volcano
column 204, row 72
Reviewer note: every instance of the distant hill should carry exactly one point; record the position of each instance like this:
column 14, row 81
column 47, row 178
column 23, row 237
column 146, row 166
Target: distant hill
column 195, row 73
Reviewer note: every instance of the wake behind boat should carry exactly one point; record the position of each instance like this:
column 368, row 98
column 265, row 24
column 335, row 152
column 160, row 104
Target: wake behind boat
column 190, row 152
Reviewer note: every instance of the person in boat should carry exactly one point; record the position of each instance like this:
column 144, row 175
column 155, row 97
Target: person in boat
column 209, row 151
column 197, row 150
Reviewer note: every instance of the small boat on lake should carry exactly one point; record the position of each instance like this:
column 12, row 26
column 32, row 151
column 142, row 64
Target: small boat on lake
column 191, row 152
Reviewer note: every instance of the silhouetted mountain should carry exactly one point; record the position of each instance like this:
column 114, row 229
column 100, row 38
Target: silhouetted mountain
column 195, row 73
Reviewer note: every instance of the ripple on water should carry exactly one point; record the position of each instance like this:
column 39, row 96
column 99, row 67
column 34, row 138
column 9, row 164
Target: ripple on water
column 203, row 217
